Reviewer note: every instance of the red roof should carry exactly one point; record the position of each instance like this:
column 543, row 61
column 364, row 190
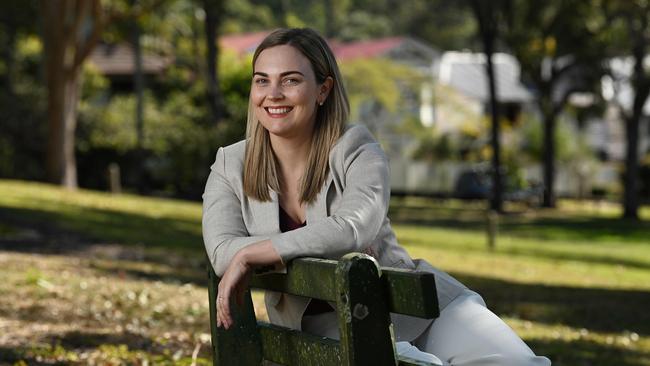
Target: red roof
column 243, row 43
column 366, row 49
column 246, row 43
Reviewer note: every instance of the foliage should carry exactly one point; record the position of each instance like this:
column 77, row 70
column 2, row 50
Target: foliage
column 569, row 145
column 380, row 81
column 436, row 148
column 23, row 112
column 178, row 144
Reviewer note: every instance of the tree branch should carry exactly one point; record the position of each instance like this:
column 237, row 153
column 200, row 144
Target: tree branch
column 98, row 27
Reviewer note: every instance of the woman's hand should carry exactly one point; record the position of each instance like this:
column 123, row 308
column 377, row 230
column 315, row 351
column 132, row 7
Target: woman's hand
column 233, row 283
column 235, row 279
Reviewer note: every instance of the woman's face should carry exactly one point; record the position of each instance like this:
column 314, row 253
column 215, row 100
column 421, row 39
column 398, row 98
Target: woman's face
column 285, row 94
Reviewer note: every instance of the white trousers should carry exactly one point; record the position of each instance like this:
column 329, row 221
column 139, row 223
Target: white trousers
column 467, row 333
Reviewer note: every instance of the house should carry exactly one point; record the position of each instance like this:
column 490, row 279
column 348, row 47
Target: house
column 464, row 73
column 461, row 73
column 117, row 63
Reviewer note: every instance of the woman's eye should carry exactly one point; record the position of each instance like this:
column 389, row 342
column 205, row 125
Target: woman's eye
column 260, row 81
column 291, row 81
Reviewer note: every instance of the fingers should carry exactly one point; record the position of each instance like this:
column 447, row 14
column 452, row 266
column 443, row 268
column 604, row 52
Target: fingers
column 223, row 311
column 218, row 313
column 225, row 307
column 233, row 283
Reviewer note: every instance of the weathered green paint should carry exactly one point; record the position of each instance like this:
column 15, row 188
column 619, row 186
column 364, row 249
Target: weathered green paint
column 241, row 344
column 364, row 322
column 309, row 277
column 291, row 347
column 364, row 294
column 411, row 293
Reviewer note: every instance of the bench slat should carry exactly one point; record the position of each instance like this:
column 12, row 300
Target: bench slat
column 409, row 293
column 280, row 343
column 309, row 277
column 291, row 347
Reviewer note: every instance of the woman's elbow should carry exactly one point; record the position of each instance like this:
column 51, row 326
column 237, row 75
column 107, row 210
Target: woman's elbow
column 217, row 258
column 360, row 234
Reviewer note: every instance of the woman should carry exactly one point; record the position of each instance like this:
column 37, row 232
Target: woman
column 305, row 184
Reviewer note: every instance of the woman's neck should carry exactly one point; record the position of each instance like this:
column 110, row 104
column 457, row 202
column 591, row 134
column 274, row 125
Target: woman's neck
column 292, row 155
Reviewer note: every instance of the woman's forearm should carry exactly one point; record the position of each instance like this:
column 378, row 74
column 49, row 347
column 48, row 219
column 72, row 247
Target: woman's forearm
column 260, row 254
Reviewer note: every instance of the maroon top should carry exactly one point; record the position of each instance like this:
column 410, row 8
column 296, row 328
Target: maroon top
column 287, row 223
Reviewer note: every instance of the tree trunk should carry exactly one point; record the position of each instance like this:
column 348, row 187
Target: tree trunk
column 63, row 92
column 70, row 31
column 62, row 85
column 329, row 18
column 484, row 14
column 630, row 194
column 641, row 85
column 496, row 203
column 213, row 10
column 138, row 83
column 548, row 199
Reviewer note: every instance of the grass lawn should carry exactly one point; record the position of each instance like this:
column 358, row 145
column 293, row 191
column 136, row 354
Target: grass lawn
column 90, row 278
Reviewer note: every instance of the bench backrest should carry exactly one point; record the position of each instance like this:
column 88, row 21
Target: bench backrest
column 364, row 293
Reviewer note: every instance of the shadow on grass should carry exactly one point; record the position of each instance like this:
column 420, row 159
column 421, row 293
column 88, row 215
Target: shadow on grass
column 585, row 352
column 536, row 251
column 582, row 229
column 195, row 273
column 69, row 231
column 84, row 340
column 596, row 309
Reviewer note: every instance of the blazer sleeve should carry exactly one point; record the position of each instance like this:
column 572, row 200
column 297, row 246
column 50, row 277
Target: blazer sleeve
column 224, row 231
column 354, row 225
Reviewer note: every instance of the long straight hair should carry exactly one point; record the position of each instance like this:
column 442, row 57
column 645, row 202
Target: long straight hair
column 260, row 164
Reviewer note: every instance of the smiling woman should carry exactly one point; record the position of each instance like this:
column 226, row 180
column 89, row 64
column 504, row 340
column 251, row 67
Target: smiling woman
column 303, row 183
column 286, row 94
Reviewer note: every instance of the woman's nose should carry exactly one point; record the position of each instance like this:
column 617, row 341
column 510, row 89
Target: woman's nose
column 275, row 92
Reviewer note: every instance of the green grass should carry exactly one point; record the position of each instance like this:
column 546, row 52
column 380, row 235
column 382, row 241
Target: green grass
column 573, row 282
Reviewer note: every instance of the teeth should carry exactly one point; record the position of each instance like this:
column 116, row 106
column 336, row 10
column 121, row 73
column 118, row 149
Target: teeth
column 279, row 110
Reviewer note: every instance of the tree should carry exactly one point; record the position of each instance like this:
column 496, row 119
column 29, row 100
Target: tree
column 559, row 46
column 71, row 29
column 631, row 21
column 213, row 15
column 487, row 17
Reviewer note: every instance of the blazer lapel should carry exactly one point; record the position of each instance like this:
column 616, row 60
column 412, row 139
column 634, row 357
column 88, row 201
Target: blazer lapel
column 266, row 215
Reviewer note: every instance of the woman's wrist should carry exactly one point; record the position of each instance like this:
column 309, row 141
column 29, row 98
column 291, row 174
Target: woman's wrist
column 242, row 258
column 261, row 254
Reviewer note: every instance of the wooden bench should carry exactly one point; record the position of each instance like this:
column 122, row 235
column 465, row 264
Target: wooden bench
column 364, row 295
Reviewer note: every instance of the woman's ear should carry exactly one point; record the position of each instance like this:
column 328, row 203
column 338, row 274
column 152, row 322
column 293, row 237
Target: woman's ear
column 324, row 89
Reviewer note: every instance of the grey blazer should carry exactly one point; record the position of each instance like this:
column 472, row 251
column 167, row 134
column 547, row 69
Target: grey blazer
column 349, row 215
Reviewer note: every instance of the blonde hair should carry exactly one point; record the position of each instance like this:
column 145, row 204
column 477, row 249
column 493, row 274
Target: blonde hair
column 260, row 164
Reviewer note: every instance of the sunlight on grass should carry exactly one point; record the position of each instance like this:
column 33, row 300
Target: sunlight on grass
column 573, row 282
column 615, row 265
column 124, row 218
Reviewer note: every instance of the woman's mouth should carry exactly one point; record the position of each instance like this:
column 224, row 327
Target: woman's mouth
column 278, row 112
